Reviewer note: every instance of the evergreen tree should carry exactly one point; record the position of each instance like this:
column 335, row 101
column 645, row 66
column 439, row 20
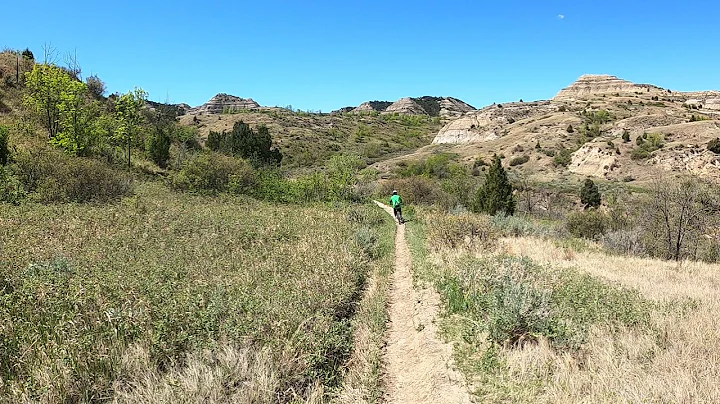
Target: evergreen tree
column 496, row 194
column 589, row 194
column 244, row 142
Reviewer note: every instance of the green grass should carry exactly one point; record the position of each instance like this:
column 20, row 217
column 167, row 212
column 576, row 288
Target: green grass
column 84, row 286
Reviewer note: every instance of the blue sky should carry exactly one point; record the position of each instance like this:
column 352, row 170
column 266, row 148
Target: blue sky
column 323, row 55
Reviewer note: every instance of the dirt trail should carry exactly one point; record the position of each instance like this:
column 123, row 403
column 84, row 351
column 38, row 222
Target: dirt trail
column 418, row 365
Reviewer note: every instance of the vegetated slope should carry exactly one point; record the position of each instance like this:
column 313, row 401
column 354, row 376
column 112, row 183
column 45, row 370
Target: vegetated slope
column 220, row 295
column 310, row 139
column 592, row 128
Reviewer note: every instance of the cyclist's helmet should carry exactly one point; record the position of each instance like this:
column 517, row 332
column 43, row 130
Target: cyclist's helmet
column 394, row 192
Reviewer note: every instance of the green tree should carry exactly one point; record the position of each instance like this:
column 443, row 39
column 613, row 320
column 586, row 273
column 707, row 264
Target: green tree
column 496, row 194
column 46, row 84
column 127, row 111
column 242, row 141
column 589, row 194
column 626, row 136
column 78, row 117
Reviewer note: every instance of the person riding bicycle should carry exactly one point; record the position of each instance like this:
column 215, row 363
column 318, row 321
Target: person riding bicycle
column 396, row 203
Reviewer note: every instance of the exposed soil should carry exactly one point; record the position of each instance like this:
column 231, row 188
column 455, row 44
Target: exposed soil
column 418, row 365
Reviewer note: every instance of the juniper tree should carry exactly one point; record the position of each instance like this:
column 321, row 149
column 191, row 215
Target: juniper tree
column 496, row 194
column 589, row 194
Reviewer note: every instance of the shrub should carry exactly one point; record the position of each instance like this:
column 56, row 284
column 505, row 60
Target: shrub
column 158, row 147
column 52, row 176
column 589, row 194
column 4, row 150
column 626, row 136
column 413, row 190
column 11, row 189
column 589, row 224
column 570, row 129
column 713, row 146
column 213, row 172
column 516, row 161
column 563, row 158
column 449, row 231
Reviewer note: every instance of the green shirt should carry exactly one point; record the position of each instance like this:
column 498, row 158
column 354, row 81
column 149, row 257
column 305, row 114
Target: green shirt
column 395, row 201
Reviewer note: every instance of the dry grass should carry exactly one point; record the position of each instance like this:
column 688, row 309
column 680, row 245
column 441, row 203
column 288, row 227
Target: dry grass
column 674, row 356
column 677, row 362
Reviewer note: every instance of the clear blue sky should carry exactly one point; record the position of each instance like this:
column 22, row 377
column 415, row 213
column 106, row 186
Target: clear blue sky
column 323, row 55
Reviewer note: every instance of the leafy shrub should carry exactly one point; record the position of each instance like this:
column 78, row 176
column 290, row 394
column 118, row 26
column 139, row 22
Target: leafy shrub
column 4, row 150
column 646, row 145
column 626, row 136
column 713, row 145
column 515, row 161
column 515, row 226
column 212, row 172
column 53, row 176
column 562, row 158
column 449, row 231
column 588, row 224
column 158, row 147
column 11, row 189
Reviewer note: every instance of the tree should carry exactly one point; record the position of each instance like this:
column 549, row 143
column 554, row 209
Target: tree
column 626, row 136
column 127, row 112
column 677, row 215
column 589, row 194
column 244, row 142
column 46, row 83
column 96, row 87
column 496, row 194
column 157, row 145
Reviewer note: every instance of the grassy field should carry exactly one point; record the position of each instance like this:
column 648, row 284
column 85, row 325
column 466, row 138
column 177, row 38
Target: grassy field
column 545, row 320
column 167, row 297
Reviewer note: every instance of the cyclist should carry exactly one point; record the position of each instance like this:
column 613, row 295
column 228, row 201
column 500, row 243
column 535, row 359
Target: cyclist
column 396, row 203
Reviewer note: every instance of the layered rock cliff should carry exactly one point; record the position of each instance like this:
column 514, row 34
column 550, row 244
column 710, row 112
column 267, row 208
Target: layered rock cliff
column 224, row 103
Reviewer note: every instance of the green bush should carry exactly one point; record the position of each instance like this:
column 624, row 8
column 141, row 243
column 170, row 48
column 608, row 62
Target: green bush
column 589, row 224
column 213, row 172
column 589, row 194
column 626, row 136
column 11, row 189
column 714, row 145
column 53, row 176
column 157, row 147
column 562, row 158
column 4, row 150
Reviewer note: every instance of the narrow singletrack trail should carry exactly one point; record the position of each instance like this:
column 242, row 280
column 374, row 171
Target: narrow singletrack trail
column 418, row 365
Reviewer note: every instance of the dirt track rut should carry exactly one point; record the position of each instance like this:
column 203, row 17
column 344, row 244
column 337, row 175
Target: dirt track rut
column 418, row 365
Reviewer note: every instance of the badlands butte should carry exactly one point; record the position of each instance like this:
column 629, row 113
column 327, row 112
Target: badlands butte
column 589, row 129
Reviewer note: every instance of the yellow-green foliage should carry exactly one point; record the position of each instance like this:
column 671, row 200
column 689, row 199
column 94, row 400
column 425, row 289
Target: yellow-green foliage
column 83, row 288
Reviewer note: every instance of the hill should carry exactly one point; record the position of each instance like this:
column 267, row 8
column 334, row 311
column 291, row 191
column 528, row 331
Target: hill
column 597, row 122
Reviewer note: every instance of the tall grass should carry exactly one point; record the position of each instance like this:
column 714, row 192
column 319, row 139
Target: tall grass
column 533, row 322
column 135, row 299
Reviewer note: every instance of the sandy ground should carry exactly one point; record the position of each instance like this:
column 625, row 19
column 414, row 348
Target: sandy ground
column 418, row 365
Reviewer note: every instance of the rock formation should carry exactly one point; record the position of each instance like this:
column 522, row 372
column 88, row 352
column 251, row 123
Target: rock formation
column 453, row 108
column 406, row 106
column 593, row 160
column 490, row 122
column 223, row 103
column 591, row 84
